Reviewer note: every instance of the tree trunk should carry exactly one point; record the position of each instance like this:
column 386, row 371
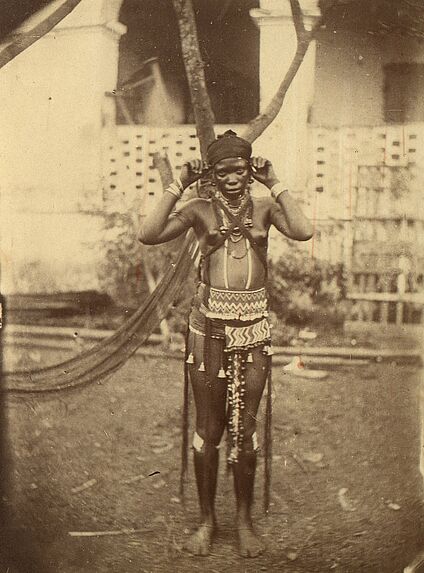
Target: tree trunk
column 195, row 73
column 24, row 41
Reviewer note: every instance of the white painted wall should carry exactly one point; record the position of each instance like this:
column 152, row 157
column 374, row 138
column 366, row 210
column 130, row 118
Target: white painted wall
column 52, row 109
column 349, row 79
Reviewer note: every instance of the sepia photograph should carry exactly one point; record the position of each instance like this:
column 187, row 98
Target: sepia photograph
column 212, row 286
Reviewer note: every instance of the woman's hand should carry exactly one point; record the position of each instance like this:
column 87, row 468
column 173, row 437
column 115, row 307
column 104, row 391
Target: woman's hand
column 263, row 171
column 192, row 171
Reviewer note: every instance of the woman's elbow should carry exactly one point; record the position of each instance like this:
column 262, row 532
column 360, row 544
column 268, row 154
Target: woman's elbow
column 307, row 236
column 305, row 233
column 145, row 238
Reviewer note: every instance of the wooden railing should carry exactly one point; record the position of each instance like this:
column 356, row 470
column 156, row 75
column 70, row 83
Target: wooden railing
column 396, row 308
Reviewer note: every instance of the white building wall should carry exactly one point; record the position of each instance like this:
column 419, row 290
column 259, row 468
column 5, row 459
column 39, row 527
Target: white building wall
column 349, row 77
column 52, row 110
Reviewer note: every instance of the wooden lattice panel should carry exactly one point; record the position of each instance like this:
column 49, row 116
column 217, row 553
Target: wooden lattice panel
column 130, row 177
column 339, row 152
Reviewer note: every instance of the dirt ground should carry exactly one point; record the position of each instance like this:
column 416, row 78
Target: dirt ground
column 346, row 492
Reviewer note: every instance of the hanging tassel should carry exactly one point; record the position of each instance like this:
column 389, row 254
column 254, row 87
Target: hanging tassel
column 249, row 358
column 190, row 359
column 236, row 390
column 270, row 351
column 202, row 367
column 221, row 373
column 265, row 349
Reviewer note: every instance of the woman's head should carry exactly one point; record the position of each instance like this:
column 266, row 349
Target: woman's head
column 229, row 157
column 231, row 176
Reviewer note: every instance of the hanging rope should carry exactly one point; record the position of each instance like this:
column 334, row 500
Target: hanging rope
column 107, row 356
column 185, row 423
column 268, row 441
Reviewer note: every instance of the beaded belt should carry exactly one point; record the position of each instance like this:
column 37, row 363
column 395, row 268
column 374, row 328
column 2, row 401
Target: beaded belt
column 247, row 337
column 236, row 305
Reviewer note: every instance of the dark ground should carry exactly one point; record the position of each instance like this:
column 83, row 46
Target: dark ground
column 357, row 430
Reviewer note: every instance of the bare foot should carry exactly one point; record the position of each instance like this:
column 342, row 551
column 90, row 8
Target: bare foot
column 250, row 544
column 200, row 541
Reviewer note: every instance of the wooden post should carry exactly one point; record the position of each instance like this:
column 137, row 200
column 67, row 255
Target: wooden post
column 399, row 312
column 348, row 253
column 384, row 312
column 372, row 283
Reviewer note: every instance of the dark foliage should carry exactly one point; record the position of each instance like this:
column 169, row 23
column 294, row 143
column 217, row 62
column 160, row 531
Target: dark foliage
column 304, row 290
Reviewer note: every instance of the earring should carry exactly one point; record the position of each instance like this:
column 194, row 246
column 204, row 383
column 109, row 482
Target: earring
column 251, row 180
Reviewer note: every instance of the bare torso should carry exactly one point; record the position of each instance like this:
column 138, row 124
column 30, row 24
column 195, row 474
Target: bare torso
column 235, row 264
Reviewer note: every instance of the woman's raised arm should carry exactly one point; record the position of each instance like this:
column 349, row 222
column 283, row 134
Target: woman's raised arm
column 161, row 225
column 286, row 216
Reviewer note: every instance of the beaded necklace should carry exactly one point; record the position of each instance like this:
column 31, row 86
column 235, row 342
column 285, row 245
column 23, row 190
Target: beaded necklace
column 244, row 206
column 245, row 209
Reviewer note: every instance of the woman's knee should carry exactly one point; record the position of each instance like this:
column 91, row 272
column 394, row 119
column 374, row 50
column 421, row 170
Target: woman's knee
column 212, row 434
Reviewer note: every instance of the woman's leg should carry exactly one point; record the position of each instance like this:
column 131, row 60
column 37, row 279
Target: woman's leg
column 244, row 469
column 210, row 401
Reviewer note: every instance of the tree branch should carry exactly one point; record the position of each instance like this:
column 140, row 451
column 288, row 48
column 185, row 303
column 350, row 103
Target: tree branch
column 297, row 18
column 163, row 165
column 195, row 73
column 258, row 125
column 25, row 40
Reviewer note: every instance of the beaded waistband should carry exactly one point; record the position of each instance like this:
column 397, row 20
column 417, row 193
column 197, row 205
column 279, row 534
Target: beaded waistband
column 235, row 305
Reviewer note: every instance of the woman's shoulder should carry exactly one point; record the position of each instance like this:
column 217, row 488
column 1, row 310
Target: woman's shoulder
column 193, row 208
column 195, row 205
column 263, row 202
column 261, row 198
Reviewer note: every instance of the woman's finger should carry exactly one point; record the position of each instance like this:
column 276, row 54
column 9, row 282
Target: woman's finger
column 195, row 165
column 254, row 162
column 259, row 162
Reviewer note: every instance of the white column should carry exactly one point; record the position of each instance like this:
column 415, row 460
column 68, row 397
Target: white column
column 285, row 142
column 51, row 114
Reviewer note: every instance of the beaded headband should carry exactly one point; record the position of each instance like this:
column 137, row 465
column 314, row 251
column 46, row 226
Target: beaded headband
column 226, row 146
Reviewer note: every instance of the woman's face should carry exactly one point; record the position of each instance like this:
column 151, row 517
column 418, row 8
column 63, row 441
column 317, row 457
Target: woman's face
column 232, row 176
